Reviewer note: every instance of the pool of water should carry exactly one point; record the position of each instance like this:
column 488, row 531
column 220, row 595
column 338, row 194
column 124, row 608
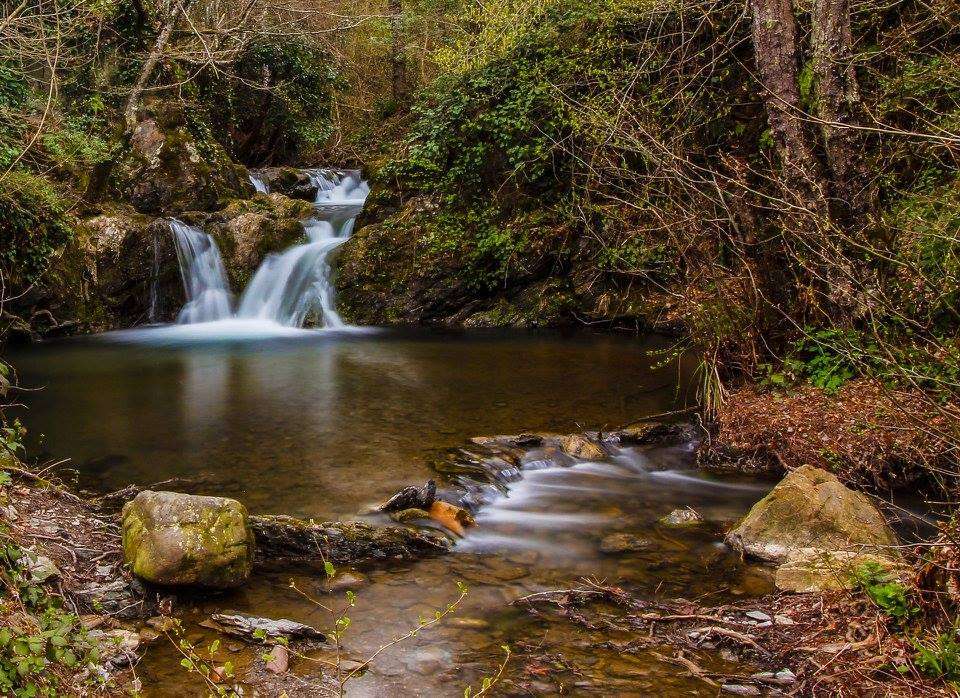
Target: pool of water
column 326, row 424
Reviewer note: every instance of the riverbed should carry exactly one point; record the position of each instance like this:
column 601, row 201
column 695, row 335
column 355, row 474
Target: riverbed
column 326, row 424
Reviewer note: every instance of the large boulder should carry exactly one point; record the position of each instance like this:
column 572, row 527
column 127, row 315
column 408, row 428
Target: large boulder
column 181, row 539
column 811, row 509
column 168, row 168
column 247, row 230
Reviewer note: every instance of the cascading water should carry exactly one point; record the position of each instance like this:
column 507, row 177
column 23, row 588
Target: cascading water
column 259, row 185
column 204, row 276
column 287, row 288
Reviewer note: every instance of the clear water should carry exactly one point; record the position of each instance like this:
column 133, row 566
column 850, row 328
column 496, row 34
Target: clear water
column 327, row 423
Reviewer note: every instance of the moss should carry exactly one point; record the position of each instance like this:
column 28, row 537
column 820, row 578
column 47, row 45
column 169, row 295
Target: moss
column 177, row 539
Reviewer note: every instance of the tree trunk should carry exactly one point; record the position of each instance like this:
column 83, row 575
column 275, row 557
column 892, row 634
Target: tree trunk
column 149, row 65
column 839, row 107
column 398, row 68
column 775, row 48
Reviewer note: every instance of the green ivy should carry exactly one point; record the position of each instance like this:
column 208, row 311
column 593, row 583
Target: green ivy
column 36, row 226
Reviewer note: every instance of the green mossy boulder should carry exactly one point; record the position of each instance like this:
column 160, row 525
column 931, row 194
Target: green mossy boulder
column 811, row 510
column 169, row 168
column 180, row 539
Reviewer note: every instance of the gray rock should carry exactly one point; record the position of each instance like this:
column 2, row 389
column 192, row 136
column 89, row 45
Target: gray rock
column 810, row 509
column 758, row 615
column 41, row 569
column 254, row 629
column 740, row 689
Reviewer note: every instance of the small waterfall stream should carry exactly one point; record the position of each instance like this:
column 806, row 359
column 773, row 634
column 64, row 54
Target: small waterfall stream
column 288, row 287
column 204, row 276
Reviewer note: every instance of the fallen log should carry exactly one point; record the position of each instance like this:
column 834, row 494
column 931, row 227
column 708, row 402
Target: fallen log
column 284, row 541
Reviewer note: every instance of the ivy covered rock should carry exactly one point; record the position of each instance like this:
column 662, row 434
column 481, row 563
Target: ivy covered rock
column 811, row 511
column 180, row 539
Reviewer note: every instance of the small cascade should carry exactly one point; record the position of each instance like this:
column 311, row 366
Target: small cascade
column 289, row 287
column 259, row 184
column 204, row 276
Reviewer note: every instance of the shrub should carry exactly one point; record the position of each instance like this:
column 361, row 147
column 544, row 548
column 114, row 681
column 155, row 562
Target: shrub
column 35, row 226
column 889, row 595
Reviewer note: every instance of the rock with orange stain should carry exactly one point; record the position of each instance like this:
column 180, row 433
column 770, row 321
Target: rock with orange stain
column 451, row 516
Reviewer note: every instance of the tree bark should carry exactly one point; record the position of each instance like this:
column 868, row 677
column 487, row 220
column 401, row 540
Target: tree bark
column 775, row 49
column 156, row 53
column 398, row 67
column 839, row 108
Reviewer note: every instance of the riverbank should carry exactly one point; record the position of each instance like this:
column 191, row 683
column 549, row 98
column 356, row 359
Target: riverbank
column 808, row 643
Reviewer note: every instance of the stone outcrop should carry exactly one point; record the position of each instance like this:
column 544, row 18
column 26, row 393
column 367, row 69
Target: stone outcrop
column 181, row 539
column 247, row 230
column 167, row 169
column 289, row 181
column 816, row 530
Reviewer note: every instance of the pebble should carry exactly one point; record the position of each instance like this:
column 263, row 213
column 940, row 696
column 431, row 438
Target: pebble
column 758, row 615
column 740, row 690
column 784, row 677
column 279, row 659
column 345, row 581
column 784, row 620
column 469, row 623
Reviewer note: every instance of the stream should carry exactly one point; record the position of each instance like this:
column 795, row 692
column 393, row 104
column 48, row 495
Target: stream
column 328, row 421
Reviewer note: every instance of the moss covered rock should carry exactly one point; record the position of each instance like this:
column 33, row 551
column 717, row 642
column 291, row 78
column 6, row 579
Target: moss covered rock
column 169, row 167
column 811, row 510
column 180, row 539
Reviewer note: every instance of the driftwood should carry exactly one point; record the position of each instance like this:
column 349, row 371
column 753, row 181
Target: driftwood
column 283, row 541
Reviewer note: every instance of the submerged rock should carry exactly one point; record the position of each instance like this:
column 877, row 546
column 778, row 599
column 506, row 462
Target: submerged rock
column 624, row 543
column 812, row 570
column 181, row 539
column 682, row 517
column 811, row 510
column 656, row 434
column 284, row 541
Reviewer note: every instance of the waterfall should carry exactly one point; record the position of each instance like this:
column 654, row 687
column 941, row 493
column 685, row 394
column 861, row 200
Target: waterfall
column 288, row 287
column 259, row 184
column 204, row 276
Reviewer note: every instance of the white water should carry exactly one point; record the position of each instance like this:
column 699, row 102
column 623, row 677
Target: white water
column 259, row 185
column 287, row 288
column 204, row 276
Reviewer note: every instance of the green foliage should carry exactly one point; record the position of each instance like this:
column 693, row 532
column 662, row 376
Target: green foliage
column 939, row 657
column 824, row 357
column 889, row 595
column 286, row 120
column 35, row 226
column 507, row 118
column 483, row 246
column 41, row 650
